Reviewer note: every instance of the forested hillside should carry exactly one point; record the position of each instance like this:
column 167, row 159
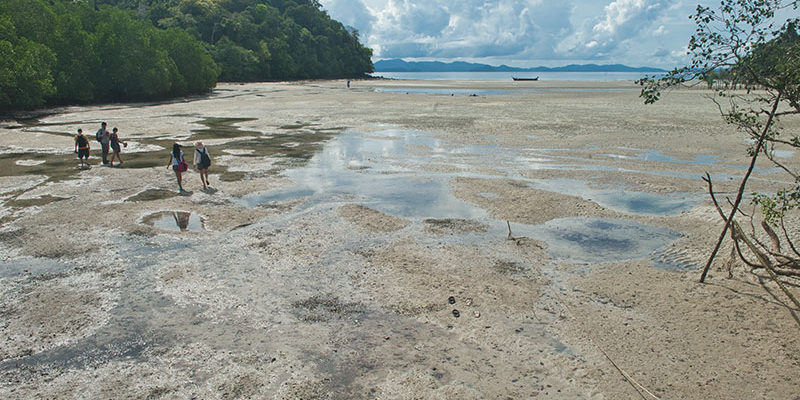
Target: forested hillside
column 255, row 40
column 81, row 51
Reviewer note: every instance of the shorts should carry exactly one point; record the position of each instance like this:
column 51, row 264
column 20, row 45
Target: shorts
column 175, row 167
column 83, row 153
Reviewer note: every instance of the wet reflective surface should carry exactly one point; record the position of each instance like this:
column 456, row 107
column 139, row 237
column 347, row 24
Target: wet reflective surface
column 397, row 172
column 622, row 200
column 296, row 142
column 34, row 267
column 179, row 221
column 600, row 239
column 450, row 92
column 657, row 156
column 382, row 171
column 354, row 167
column 217, row 128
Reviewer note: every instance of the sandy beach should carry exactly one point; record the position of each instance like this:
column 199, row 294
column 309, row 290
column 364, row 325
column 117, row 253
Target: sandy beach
column 354, row 244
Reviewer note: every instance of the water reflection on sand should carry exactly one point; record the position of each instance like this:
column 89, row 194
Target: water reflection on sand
column 390, row 171
column 181, row 221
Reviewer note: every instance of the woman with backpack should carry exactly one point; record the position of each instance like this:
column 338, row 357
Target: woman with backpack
column 177, row 163
column 201, row 162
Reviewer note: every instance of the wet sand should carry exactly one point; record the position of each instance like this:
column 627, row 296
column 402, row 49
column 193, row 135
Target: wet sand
column 355, row 244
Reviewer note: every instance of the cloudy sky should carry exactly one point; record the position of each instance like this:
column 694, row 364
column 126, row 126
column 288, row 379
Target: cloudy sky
column 523, row 33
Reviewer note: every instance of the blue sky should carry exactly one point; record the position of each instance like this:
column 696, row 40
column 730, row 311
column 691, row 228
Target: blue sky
column 523, row 33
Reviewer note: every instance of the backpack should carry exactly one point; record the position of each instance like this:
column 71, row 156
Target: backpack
column 99, row 135
column 82, row 141
column 205, row 160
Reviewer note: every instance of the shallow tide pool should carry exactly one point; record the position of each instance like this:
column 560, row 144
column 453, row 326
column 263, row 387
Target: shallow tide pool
column 387, row 171
column 180, row 221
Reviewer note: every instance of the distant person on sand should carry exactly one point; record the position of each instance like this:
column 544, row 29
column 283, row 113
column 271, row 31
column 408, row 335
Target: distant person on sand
column 103, row 137
column 177, row 163
column 201, row 162
column 114, row 142
column 82, row 148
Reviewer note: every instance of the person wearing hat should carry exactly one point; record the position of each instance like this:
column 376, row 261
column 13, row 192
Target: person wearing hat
column 201, row 162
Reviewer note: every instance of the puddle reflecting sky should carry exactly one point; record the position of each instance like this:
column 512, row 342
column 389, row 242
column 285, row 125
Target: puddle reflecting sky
column 701, row 159
column 657, row 156
column 581, row 240
column 552, row 159
column 458, row 92
column 354, row 167
column 179, row 221
column 383, row 171
column 622, row 200
column 495, row 92
column 783, row 153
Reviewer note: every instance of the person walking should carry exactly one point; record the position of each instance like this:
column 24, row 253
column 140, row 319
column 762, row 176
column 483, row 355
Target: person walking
column 114, row 141
column 82, row 148
column 177, row 163
column 201, row 162
column 103, row 137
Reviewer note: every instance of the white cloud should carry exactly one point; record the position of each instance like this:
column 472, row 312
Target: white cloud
column 522, row 32
column 623, row 20
column 352, row 13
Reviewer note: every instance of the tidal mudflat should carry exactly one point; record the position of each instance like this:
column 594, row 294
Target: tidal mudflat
column 355, row 244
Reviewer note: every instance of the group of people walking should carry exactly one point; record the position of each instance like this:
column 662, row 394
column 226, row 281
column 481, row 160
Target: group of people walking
column 108, row 140
column 111, row 141
column 201, row 161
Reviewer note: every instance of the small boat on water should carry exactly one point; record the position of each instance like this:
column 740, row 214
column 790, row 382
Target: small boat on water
column 525, row 79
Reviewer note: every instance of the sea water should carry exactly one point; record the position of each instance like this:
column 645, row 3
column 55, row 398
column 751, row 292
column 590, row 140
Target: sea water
column 506, row 76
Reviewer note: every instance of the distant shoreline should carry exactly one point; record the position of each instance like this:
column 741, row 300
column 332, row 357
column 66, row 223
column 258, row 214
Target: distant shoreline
column 397, row 65
column 507, row 76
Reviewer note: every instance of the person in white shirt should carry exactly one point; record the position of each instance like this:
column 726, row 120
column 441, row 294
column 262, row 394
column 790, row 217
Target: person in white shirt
column 202, row 160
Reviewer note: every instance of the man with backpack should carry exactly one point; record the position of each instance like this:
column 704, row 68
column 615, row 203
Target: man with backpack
column 82, row 148
column 103, row 137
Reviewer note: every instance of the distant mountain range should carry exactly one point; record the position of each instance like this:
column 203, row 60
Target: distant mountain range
column 397, row 65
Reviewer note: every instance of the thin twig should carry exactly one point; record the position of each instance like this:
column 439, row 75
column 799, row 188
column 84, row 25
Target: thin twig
column 767, row 265
column 742, row 185
column 788, row 239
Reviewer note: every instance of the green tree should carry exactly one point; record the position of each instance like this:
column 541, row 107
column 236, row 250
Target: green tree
column 197, row 70
column 75, row 55
column 68, row 51
column 265, row 39
column 64, row 51
column 25, row 78
column 131, row 65
column 237, row 63
column 744, row 41
column 34, row 20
